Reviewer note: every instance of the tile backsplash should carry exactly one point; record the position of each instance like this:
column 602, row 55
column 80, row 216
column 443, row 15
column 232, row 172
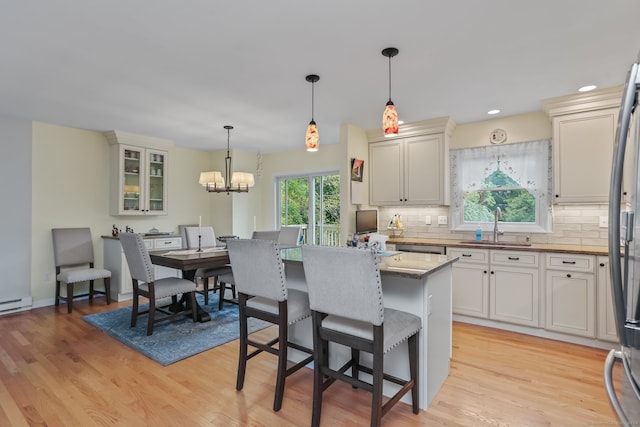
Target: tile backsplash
column 572, row 224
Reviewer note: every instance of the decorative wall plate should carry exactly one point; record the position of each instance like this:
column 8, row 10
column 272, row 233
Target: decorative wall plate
column 498, row 136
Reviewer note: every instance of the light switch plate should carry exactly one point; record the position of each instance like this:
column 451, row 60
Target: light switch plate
column 442, row 220
column 604, row 221
column 427, row 220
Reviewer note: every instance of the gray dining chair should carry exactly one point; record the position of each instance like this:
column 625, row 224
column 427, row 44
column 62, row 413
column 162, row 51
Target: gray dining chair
column 145, row 285
column 226, row 280
column 290, row 235
column 347, row 308
column 263, row 294
column 204, row 237
column 73, row 257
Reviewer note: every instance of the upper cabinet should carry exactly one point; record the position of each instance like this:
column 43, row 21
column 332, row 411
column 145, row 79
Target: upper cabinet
column 584, row 128
column 413, row 168
column 138, row 174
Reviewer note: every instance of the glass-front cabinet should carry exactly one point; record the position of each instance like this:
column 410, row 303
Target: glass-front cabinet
column 138, row 174
column 139, row 180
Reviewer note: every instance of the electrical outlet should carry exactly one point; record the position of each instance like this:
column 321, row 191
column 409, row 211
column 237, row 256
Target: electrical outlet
column 604, row 222
column 442, row 220
column 427, row 220
column 48, row 276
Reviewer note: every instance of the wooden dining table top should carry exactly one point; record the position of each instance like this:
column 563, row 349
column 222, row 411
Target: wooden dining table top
column 190, row 259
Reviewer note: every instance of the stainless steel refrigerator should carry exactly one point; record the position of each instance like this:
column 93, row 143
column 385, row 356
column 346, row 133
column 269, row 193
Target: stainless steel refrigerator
column 624, row 230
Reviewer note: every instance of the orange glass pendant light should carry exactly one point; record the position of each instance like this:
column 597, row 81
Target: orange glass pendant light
column 312, row 137
column 390, row 115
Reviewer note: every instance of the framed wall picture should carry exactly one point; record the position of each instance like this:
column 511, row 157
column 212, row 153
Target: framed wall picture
column 357, row 169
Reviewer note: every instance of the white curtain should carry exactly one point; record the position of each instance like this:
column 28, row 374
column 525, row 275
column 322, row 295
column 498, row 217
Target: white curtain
column 527, row 163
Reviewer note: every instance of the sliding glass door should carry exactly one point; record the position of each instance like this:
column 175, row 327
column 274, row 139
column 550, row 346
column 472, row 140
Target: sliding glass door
column 312, row 201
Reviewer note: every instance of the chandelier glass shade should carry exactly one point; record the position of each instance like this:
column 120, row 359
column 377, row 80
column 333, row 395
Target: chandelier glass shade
column 236, row 182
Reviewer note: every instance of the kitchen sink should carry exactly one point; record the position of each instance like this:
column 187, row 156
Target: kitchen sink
column 490, row 243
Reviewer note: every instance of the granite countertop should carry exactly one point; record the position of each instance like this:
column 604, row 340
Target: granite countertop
column 535, row 247
column 406, row 264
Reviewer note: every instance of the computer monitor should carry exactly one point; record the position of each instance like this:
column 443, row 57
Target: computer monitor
column 366, row 221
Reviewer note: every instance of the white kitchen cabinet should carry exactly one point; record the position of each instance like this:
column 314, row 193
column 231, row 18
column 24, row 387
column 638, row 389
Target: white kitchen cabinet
column 116, row 262
column 412, row 170
column 470, row 281
column 584, row 129
column 605, row 310
column 570, row 290
column 514, row 287
column 139, row 175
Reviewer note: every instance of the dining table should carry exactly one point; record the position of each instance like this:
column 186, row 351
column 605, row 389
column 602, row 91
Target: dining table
column 190, row 260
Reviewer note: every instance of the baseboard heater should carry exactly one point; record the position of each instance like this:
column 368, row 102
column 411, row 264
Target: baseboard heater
column 14, row 305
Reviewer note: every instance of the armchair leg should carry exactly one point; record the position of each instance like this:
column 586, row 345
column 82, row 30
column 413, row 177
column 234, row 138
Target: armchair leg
column 91, row 290
column 57, row 292
column 282, row 355
column 242, row 358
column 107, row 289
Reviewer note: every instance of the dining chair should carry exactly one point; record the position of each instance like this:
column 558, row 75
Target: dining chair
column 145, row 285
column 347, row 308
column 263, row 294
column 73, row 258
column 204, row 237
column 226, row 280
column 290, row 235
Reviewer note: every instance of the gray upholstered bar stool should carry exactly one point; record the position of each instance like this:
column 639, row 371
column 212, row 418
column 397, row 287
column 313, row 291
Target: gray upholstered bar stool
column 263, row 294
column 226, row 279
column 345, row 297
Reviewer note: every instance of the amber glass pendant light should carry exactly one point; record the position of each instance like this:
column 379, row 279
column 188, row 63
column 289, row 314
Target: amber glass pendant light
column 312, row 137
column 390, row 115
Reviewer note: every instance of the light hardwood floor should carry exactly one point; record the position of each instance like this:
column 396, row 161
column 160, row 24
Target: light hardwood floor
column 57, row 370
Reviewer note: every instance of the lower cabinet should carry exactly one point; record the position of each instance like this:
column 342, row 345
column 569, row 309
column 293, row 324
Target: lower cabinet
column 571, row 294
column 115, row 261
column 470, row 282
column 606, row 315
column 496, row 284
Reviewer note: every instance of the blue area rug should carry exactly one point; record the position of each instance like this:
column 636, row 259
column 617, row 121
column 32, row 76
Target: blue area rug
column 176, row 339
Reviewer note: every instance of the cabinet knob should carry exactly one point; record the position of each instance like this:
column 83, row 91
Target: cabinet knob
column 485, row 272
column 602, row 264
column 557, row 195
column 492, row 272
column 569, row 276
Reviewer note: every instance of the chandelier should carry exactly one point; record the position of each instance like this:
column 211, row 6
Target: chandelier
column 236, row 182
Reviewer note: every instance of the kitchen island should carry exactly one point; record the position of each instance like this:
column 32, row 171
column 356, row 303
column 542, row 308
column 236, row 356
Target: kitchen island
column 416, row 283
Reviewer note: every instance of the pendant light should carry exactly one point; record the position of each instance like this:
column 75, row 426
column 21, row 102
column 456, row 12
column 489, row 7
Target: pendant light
column 238, row 182
column 390, row 115
column 312, row 137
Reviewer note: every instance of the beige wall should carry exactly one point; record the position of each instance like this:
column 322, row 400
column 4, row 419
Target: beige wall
column 71, row 189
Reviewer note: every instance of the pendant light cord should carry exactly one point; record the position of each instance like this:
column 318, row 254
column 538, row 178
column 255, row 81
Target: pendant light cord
column 389, row 78
column 313, row 84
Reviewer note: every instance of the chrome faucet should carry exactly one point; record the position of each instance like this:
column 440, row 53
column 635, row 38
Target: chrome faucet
column 497, row 217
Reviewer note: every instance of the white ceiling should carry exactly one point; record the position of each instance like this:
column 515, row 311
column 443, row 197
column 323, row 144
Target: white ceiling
column 180, row 70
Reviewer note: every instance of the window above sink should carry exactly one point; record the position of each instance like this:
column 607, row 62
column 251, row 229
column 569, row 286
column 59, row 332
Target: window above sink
column 514, row 177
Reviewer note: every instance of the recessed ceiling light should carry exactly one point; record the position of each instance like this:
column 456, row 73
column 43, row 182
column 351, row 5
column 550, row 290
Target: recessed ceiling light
column 400, row 122
column 587, row 88
column 493, row 112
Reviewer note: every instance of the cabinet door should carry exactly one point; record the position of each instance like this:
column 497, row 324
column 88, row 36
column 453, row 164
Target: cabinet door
column 385, row 173
column 156, row 182
column 606, row 314
column 582, row 150
column 132, row 188
column 470, row 289
column 570, row 302
column 424, row 170
column 514, row 295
